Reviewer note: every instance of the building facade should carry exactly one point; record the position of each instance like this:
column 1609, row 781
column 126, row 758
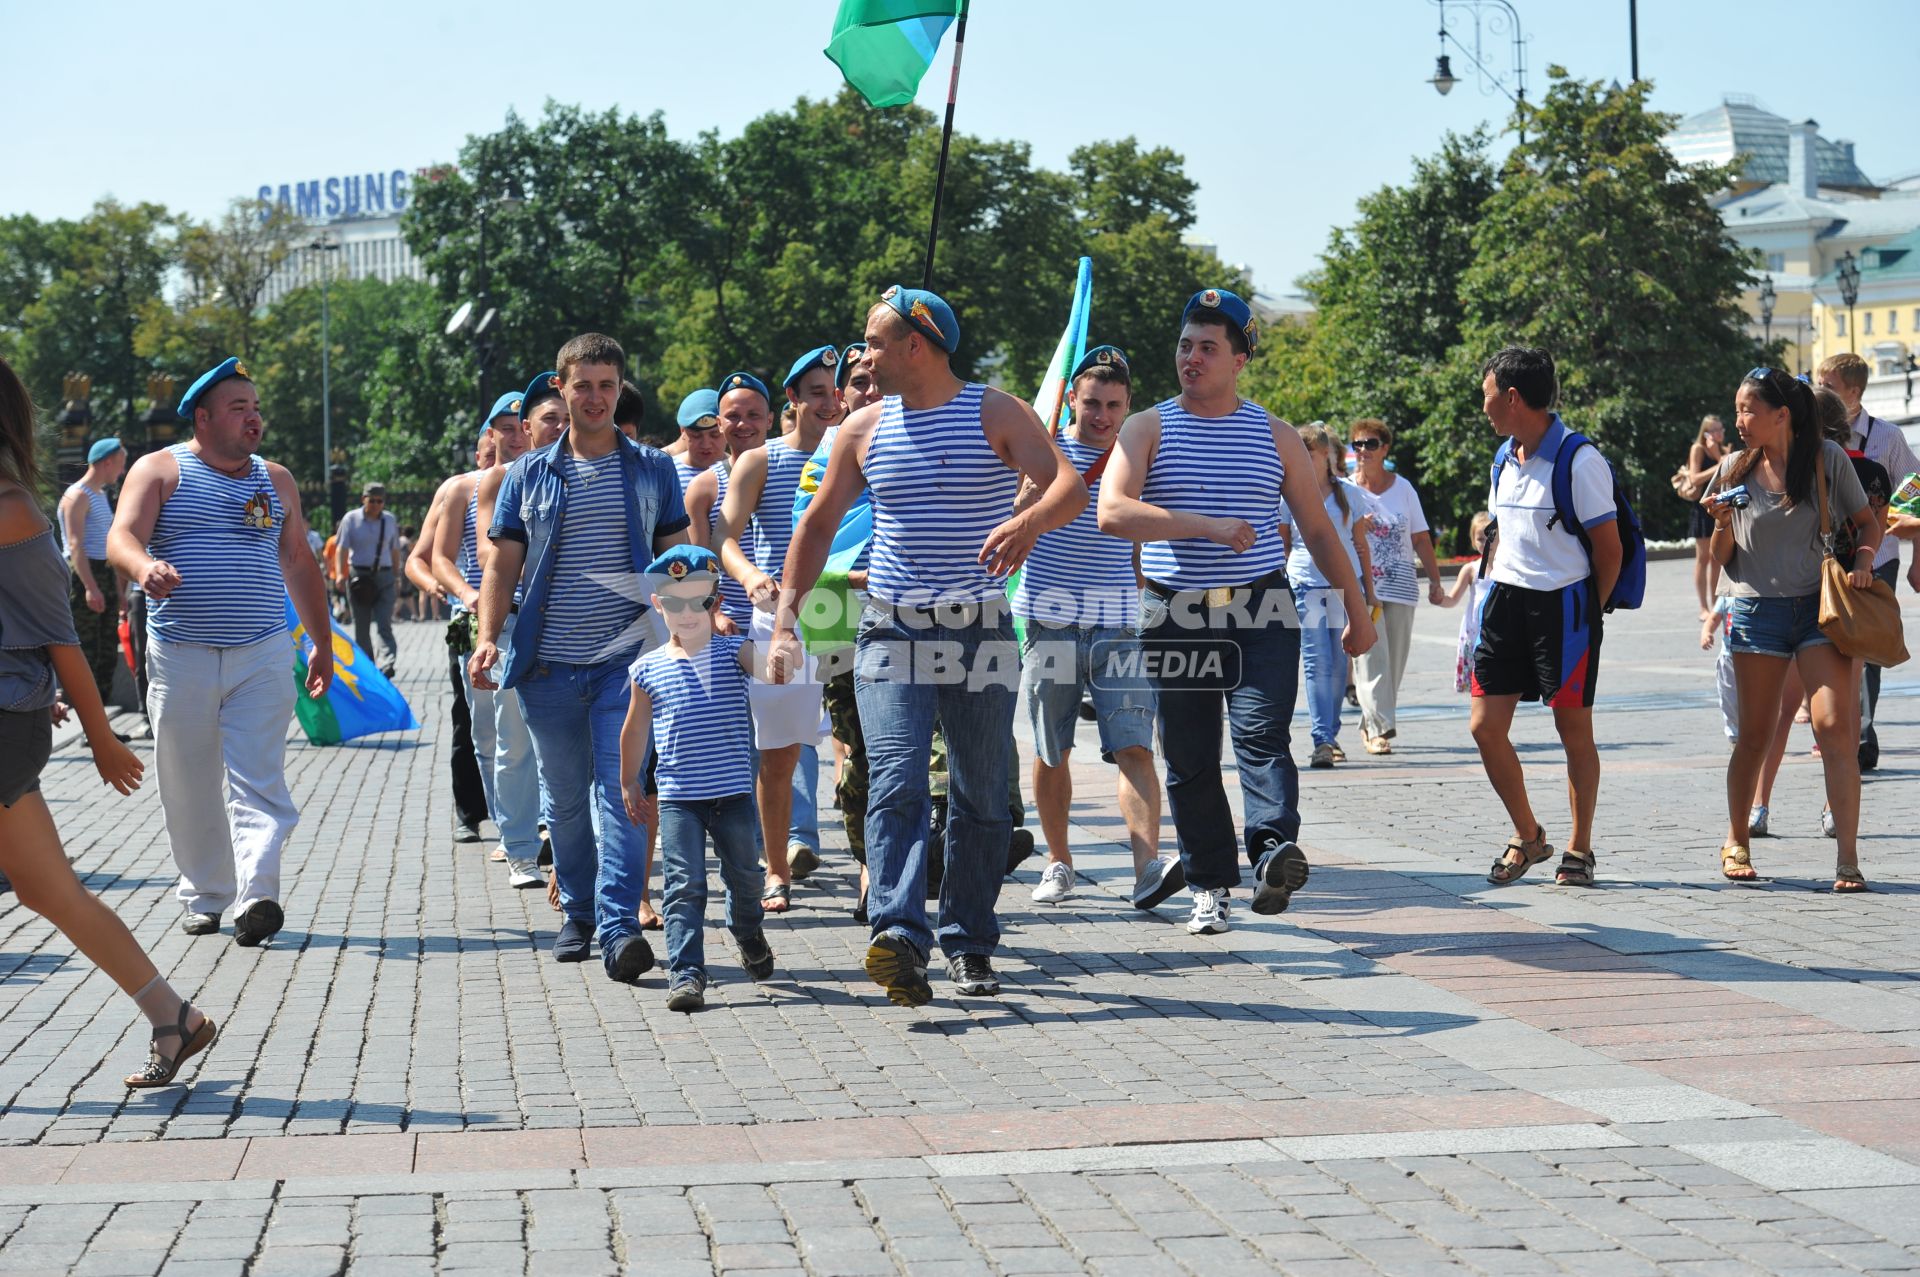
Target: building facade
column 360, row 213
column 1883, row 324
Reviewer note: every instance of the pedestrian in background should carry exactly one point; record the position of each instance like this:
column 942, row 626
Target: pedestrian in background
column 1703, row 455
column 1321, row 620
column 1397, row 535
column 367, row 561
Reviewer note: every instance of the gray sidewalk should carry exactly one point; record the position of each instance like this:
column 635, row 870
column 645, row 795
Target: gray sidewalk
column 1409, row 1072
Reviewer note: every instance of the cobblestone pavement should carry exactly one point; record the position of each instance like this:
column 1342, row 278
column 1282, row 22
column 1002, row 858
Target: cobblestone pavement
column 1409, row 1072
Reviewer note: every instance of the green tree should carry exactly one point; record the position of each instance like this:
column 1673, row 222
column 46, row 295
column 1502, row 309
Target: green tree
column 1603, row 248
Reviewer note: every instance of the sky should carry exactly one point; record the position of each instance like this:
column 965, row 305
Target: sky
column 1285, row 111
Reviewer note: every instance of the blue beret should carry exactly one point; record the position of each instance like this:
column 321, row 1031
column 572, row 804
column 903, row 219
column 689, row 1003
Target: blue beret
column 507, row 405
column 697, row 407
column 927, row 312
column 1103, row 357
column 1230, row 307
column 207, row 381
column 544, row 386
column 819, row 357
column 848, row 358
column 745, row 381
column 683, row 561
column 102, row 449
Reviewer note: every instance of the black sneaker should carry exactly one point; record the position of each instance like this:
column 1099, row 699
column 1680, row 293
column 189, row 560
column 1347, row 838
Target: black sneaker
column 972, row 974
column 756, row 955
column 463, row 832
column 860, row 910
column 256, row 923
column 630, row 958
column 1019, row 847
column 1282, row 871
column 896, row 966
column 687, row 992
column 545, row 858
column 200, row 924
column 574, row 943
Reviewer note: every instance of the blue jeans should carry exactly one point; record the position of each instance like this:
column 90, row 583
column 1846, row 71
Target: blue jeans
column 1325, row 664
column 908, row 668
column 1261, row 644
column 575, row 713
column 514, row 792
column 733, row 823
column 804, row 828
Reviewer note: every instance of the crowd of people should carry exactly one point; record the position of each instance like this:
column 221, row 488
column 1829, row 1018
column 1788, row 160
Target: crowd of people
column 650, row 646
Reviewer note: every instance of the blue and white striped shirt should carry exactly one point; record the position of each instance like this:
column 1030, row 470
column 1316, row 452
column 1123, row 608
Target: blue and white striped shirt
column 733, row 595
column 702, row 726
column 222, row 535
column 586, row 619
column 1224, row 468
column 939, row 489
column 99, row 520
column 468, row 560
column 773, row 517
column 1077, row 574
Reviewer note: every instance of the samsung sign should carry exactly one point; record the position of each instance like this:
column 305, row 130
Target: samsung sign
column 358, row 196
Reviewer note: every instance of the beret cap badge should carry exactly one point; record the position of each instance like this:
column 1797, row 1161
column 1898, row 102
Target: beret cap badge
column 829, row 357
column 1211, row 297
column 924, row 315
column 677, row 569
column 892, row 292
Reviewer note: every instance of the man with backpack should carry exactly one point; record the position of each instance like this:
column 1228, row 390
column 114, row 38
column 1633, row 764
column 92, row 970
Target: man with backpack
column 1569, row 550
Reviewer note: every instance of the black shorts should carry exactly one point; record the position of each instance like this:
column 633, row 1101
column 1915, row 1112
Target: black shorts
column 26, row 742
column 1541, row 645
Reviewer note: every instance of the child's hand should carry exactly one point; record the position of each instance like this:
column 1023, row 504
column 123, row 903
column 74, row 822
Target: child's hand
column 118, row 765
column 641, row 810
column 1706, row 633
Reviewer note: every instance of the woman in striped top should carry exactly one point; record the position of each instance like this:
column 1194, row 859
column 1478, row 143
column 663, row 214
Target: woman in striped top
column 1198, row 480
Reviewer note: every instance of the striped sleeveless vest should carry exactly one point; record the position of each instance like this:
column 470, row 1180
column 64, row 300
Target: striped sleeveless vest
column 1225, row 468
column 938, row 490
column 223, row 536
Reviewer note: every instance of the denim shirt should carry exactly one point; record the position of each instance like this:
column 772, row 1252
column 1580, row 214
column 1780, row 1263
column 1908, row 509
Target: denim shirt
column 533, row 504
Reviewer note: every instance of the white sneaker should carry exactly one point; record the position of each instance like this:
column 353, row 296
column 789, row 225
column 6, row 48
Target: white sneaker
column 1826, row 823
column 1056, row 884
column 1757, row 822
column 1210, row 913
column 525, row 873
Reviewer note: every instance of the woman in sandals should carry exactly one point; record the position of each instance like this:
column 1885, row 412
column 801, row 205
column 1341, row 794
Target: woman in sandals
column 37, row 647
column 1770, row 543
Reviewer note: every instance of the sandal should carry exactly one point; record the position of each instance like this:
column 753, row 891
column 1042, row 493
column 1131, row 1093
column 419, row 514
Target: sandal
column 1848, row 880
column 1576, row 868
column 775, row 898
column 1517, row 858
column 161, row 1069
column 1736, row 864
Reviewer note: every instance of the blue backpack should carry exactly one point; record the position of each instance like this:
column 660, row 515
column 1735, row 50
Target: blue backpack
column 1630, row 589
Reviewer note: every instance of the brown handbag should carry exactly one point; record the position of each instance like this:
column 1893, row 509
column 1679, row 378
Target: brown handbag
column 1863, row 624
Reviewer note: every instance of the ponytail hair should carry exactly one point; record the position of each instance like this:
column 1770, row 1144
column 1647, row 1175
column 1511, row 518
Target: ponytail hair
column 1318, row 436
column 1796, row 396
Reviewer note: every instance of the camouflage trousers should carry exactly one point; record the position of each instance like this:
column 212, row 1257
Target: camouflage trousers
column 99, row 631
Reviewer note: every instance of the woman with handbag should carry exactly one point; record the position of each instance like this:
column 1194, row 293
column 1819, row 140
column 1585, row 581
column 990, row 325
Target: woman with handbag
column 1773, row 507
column 1689, row 482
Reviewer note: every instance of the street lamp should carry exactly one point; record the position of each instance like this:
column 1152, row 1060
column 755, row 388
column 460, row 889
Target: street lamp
column 324, row 244
column 1502, row 20
column 479, row 318
column 1443, row 77
column 1766, row 310
column 1913, row 366
column 1849, row 276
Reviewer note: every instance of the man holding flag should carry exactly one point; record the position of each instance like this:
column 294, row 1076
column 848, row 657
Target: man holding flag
column 215, row 537
column 942, row 458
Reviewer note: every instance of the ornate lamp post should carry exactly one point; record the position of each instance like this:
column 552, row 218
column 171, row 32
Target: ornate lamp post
column 160, row 420
column 1502, row 21
column 1849, row 277
column 324, row 244
column 1766, row 310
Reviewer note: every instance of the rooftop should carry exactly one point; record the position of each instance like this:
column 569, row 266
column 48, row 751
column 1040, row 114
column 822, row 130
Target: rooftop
column 1741, row 126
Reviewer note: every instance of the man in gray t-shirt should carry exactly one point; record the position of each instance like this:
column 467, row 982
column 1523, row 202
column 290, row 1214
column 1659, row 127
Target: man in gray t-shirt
column 366, row 564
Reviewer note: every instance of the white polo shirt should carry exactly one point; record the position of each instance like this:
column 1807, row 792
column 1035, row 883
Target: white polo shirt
column 1532, row 555
column 1882, row 441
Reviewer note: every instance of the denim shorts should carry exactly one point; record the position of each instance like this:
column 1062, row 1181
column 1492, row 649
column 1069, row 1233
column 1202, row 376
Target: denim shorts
column 1059, row 664
column 1774, row 626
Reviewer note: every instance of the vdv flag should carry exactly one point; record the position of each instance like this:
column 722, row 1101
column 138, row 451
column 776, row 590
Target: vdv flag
column 361, row 702
column 884, row 47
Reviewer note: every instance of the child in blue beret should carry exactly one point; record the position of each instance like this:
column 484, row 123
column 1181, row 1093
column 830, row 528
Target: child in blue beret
column 690, row 697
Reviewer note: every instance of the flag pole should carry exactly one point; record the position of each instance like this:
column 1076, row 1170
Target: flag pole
column 946, row 137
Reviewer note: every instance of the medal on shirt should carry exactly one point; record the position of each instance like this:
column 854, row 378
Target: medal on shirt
column 257, row 512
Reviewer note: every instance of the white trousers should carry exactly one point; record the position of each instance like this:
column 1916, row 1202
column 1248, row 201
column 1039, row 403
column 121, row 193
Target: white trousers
column 220, row 719
column 1378, row 674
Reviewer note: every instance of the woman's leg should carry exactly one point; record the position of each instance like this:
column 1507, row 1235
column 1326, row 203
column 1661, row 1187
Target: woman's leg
column 1836, row 716
column 1791, row 693
column 31, row 856
column 1757, row 680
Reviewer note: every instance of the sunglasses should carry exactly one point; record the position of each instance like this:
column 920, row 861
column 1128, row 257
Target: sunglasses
column 1368, row 445
column 677, row 603
column 1760, row 374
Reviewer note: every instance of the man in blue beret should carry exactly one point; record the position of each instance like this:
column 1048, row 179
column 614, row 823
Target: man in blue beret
column 942, row 457
column 701, row 442
column 1198, row 480
column 214, row 535
column 85, row 517
column 786, row 718
column 746, row 418
column 575, row 525
column 1081, row 601
column 502, row 744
